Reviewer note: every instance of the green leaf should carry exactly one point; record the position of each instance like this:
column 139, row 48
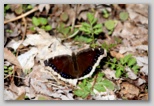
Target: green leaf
column 35, row 21
column 81, row 93
column 108, row 84
column 5, row 67
column 32, row 28
column 105, row 13
column 123, row 16
column 85, row 30
column 110, row 24
column 84, row 24
column 94, row 21
column 18, row 10
column 64, row 17
column 7, row 7
column 113, row 66
column 99, row 87
column 43, row 21
column 127, row 58
column 29, row 6
column 98, row 31
column 114, row 60
column 118, row 73
column 122, row 61
column 99, row 26
column 90, row 17
column 48, row 28
column 135, row 68
column 66, row 30
column 42, row 98
column 99, row 77
column 131, row 62
column 83, row 39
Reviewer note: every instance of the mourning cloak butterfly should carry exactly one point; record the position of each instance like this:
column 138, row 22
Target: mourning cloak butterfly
column 78, row 66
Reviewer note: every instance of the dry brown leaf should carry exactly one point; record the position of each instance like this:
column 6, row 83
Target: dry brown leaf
column 128, row 90
column 143, row 96
column 8, row 55
column 116, row 55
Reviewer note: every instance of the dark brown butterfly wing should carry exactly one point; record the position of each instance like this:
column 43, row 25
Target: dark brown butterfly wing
column 86, row 59
column 62, row 65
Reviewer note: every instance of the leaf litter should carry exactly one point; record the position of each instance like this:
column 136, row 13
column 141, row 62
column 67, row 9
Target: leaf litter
column 39, row 45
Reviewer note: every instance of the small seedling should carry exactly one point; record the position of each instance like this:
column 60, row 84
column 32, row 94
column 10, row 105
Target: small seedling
column 123, row 16
column 91, row 27
column 105, row 13
column 6, row 7
column 86, row 87
column 42, row 22
column 120, row 65
column 108, row 47
column 8, row 70
column 110, row 25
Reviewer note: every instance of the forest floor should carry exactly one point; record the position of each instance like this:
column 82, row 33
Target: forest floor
column 35, row 33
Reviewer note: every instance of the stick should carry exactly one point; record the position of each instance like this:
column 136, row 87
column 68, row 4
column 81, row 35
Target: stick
column 21, row 16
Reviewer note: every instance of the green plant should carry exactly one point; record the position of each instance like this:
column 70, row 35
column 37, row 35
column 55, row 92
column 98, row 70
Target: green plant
column 120, row 65
column 42, row 22
column 87, row 86
column 6, row 7
column 91, row 27
column 8, row 70
column 110, row 25
column 63, row 29
column 83, row 39
column 105, row 13
column 108, row 46
column 123, row 16
column 9, row 31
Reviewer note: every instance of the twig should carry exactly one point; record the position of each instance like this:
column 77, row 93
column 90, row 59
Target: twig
column 25, row 27
column 21, row 16
column 71, row 36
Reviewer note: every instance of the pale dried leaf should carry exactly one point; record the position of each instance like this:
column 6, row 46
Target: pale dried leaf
column 8, row 55
column 142, row 60
column 109, row 95
column 9, row 16
column 9, row 95
column 27, row 59
column 36, row 40
column 144, row 69
column 142, row 47
column 14, row 92
column 42, row 6
column 140, row 81
column 138, row 13
column 14, row 44
column 109, row 73
column 126, row 49
column 131, row 74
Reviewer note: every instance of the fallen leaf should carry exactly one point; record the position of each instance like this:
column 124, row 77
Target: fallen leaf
column 42, row 6
column 128, row 91
column 14, row 92
column 116, row 55
column 14, row 44
column 8, row 55
column 27, row 59
column 131, row 74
